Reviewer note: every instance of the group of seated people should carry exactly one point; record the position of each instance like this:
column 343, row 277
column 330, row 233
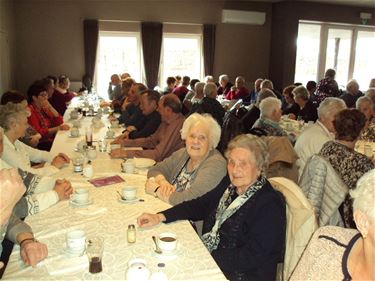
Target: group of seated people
column 244, row 217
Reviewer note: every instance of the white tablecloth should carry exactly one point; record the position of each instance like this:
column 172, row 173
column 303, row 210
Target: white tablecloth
column 110, row 218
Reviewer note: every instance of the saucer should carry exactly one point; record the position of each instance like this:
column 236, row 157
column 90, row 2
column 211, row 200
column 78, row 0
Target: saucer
column 71, row 136
column 168, row 255
column 73, row 253
column 72, row 202
column 129, row 201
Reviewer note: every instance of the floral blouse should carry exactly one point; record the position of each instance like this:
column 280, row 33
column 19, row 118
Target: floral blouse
column 350, row 166
column 369, row 133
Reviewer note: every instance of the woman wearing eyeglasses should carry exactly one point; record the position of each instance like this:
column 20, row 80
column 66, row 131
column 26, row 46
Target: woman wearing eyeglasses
column 44, row 118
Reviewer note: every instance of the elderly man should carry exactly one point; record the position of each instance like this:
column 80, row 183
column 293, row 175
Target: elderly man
column 114, row 87
column 209, row 104
column 165, row 140
column 11, row 227
column 225, row 85
column 313, row 138
column 132, row 113
column 239, row 91
column 254, row 93
column 307, row 110
column 267, row 84
column 352, row 93
column 182, row 90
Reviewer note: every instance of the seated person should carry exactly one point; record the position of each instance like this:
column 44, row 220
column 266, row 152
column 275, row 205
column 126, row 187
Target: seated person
column 120, row 103
column 244, row 217
column 352, row 93
column 270, row 114
column 239, row 91
column 13, row 118
column 254, row 93
column 44, row 118
column 146, row 126
column 61, row 95
column 327, row 87
column 209, row 104
column 349, row 164
column 41, row 192
column 336, row 253
column 114, row 87
column 132, row 112
column 307, row 110
column 311, row 87
column 225, row 85
column 171, row 84
column 366, row 106
column 165, row 140
column 189, row 96
column 31, row 137
column 267, row 84
column 253, row 114
column 314, row 137
column 198, row 93
column 289, row 106
column 371, row 94
column 182, row 90
column 11, row 227
column 193, row 170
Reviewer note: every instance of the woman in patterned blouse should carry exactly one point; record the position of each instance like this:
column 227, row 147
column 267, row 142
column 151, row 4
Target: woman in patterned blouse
column 349, row 164
column 366, row 106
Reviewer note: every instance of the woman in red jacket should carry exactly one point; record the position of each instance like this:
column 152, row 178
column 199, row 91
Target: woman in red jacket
column 44, row 118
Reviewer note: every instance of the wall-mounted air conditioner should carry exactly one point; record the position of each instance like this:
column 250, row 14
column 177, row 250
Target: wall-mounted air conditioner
column 243, row 17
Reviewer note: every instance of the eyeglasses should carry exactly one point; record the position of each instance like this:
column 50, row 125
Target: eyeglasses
column 43, row 94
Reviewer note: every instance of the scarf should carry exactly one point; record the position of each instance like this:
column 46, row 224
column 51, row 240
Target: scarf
column 226, row 209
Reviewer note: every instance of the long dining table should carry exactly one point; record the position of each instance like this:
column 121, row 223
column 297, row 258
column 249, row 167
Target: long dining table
column 108, row 217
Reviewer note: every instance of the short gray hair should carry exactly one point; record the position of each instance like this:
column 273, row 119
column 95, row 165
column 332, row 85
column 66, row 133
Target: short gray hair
column 268, row 106
column 199, row 87
column 257, row 147
column 266, row 84
column 11, row 112
column 364, row 195
column 301, row 92
column 214, row 130
column 263, row 94
column 330, row 106
column 209, row 88
column 362, row 100
column 352, row 85
column 208, row 79
column 223, row 77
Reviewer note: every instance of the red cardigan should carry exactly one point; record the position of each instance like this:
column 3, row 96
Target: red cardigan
column 41, row 120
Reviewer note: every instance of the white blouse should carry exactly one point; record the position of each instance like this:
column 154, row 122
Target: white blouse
column 21, row 155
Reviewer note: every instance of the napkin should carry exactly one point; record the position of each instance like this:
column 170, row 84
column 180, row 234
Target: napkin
column 64, row 265
column 91, row 210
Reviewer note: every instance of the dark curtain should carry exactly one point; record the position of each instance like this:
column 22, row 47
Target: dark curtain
column 152, row 35
column 209, row 48
column 90, row 38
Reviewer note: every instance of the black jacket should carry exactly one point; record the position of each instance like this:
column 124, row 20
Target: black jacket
column 252, row 240
column 211, row 106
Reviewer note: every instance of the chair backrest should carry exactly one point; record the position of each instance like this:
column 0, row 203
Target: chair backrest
column 301, row 223
column 232, row 127
column 324, row 189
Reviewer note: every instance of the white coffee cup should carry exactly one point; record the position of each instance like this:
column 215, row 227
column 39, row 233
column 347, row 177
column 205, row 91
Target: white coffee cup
column 128, row 166
column 74, row 132
column 167, row 241
column 76, row 240
column 88, row 171
column 110, row 134
column 80, row 195
column 91, row 153
column 129, row 192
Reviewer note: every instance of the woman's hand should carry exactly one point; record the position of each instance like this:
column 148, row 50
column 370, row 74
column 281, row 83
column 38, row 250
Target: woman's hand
column 151, row 185
column 164, row 192
column 148, row 220
column 63, row 189
column 33, row 252
column 34, row 140
column 64, row 127
column 60, row 160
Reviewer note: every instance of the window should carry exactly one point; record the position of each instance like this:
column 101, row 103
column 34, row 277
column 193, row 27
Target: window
column 347, row 49
column 118, row 52
column 181, row 55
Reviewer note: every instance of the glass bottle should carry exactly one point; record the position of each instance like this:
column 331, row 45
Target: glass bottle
column 131, row 233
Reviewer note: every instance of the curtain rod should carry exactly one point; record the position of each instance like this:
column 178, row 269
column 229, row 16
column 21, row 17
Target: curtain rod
column 130, row 21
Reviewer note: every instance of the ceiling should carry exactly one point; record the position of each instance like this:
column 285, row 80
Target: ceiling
column 361, row 3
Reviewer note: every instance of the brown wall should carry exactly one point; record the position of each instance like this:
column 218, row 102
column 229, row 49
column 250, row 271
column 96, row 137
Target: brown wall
column 285, row 18
column 50, row 34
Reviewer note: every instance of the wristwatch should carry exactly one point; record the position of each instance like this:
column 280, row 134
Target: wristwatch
column 156, row 190
column 28, row 239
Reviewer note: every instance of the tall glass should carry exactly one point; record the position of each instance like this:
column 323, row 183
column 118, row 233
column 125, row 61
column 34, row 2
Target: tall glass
column 89, row 136
column 94, row 250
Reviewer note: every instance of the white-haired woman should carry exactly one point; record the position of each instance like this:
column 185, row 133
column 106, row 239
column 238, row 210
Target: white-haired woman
column 193, row 170
column 270, row 115
column 308, row 111
column 366, row 106
column 13, row 118
column 225, row 85
column 244, row 217
column 336, row 253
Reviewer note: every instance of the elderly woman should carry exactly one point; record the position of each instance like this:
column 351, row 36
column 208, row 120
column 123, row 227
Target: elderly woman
column 61, row 95
column 327, row 87
column 244, row 217
column 44, row 118
column 270, row 114
column 13, row 118
column 289, row 106
column 349, row 164
column 31, row 137
column 344, row 254
column 193, row 170
column 307, row 110
column 225, row 85
column 366, row 106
